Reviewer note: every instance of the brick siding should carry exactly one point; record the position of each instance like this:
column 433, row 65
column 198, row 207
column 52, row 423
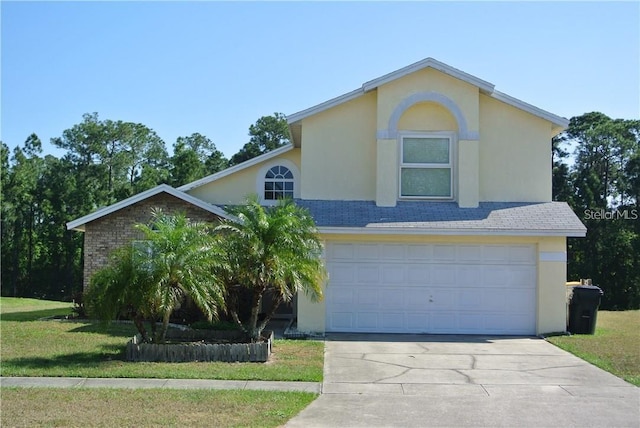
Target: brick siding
column 104, row 235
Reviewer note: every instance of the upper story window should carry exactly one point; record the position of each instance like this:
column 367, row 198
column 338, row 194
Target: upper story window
column 278, row 183
column 426, row 167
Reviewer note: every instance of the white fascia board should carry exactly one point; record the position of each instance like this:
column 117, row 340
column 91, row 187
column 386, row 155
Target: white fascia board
column 436, row 65
column 235, row 168
column 296, row 117
column 553, row 118
column 448, row 232
column 79, row 223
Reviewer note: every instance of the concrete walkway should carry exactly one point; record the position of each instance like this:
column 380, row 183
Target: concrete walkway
column 77, row 382
column 464, row 381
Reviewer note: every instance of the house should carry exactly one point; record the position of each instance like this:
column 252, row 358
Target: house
column 432, row 193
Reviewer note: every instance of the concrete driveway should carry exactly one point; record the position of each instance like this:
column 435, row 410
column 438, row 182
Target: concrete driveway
column 464, row 381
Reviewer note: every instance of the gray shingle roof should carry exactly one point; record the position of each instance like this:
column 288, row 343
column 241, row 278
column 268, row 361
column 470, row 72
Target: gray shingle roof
column 553, row 218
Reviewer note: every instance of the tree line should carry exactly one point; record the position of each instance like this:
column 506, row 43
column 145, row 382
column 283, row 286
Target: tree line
column 602, row 185
column 105, row 161
column 596, row 169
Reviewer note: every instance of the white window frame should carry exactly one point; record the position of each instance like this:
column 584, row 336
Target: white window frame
column 261, row 179
column 451, row 136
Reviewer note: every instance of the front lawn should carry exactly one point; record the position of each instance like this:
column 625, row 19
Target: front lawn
column 615, row 347
column 85, row 407
column 32, row 347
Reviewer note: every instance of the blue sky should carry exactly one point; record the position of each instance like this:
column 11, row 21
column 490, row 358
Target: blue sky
column 216, row 67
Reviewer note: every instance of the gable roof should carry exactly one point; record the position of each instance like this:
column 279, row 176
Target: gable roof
column 446, row 218
column 246, row 164
column 484, row 86
column 78, row 224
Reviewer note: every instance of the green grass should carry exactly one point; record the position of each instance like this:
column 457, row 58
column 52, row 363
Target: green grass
column 31, row 347
column 21, row 309
column 615, row 346
column 34, row 407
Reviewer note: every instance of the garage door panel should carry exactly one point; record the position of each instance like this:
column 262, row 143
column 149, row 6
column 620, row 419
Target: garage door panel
column 367, row 320
column 495, row 276
column 367, row 298
column 416, row 299
column 341, row 252
column 444, row 253
column 495, row 254
column 469, row 253
column 470, row 275
column 443, row 322
column 468, row 299
column 342, row 273
column 340, row 296
column 443, row 275
column 417, row 322
column 522, row 254
column 393, row 274
column 523, row 277
column 393, row 252
column 367, row 274
column 367, row 252
column 341, row 321
column 520, row 300
column 392, row 321
column 417, row 274
column 432, row 288
column 494, row 300
column 442, row 299
column 392, row 299
column 419, row 252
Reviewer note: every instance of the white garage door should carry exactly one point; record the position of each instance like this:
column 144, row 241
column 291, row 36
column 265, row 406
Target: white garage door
column 431, row 288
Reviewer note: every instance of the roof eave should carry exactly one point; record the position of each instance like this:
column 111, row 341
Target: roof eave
column 556, row 120
column 483, row 85
column 383, row 230
column 225, row 172
column 79, row 223
column 296, row 117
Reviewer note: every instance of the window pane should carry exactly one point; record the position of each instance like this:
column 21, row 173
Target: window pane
column 425, row 150
column 268, row 185
column 278, row 185
column 270, row 173
column 269, row 195
column 288, row 195
column 288, row 174
column 426, row 182
column 288, row 185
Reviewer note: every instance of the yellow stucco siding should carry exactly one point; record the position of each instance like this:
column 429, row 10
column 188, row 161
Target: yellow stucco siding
column 515, row 154
column 427, row 116
column 463, row 94
column 234, row 188
column 551, row 275
column 339, row 152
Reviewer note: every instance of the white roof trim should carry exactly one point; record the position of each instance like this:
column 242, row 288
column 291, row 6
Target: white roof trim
column 236, row 168
column 382, row 230
column 429, row 63
column 79, row 223
column 484, row 86
column 508, row 99
column 324, row 106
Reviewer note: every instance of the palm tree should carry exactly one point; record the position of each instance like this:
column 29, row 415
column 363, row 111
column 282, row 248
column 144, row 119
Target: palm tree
column 268, row 249
column 152, row 278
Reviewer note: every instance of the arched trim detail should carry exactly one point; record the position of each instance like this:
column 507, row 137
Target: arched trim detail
column 392, row 131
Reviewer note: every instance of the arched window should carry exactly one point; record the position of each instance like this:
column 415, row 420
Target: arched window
column 278, row 183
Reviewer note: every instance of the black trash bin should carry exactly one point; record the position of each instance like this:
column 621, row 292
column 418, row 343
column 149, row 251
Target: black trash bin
column 583, row 309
